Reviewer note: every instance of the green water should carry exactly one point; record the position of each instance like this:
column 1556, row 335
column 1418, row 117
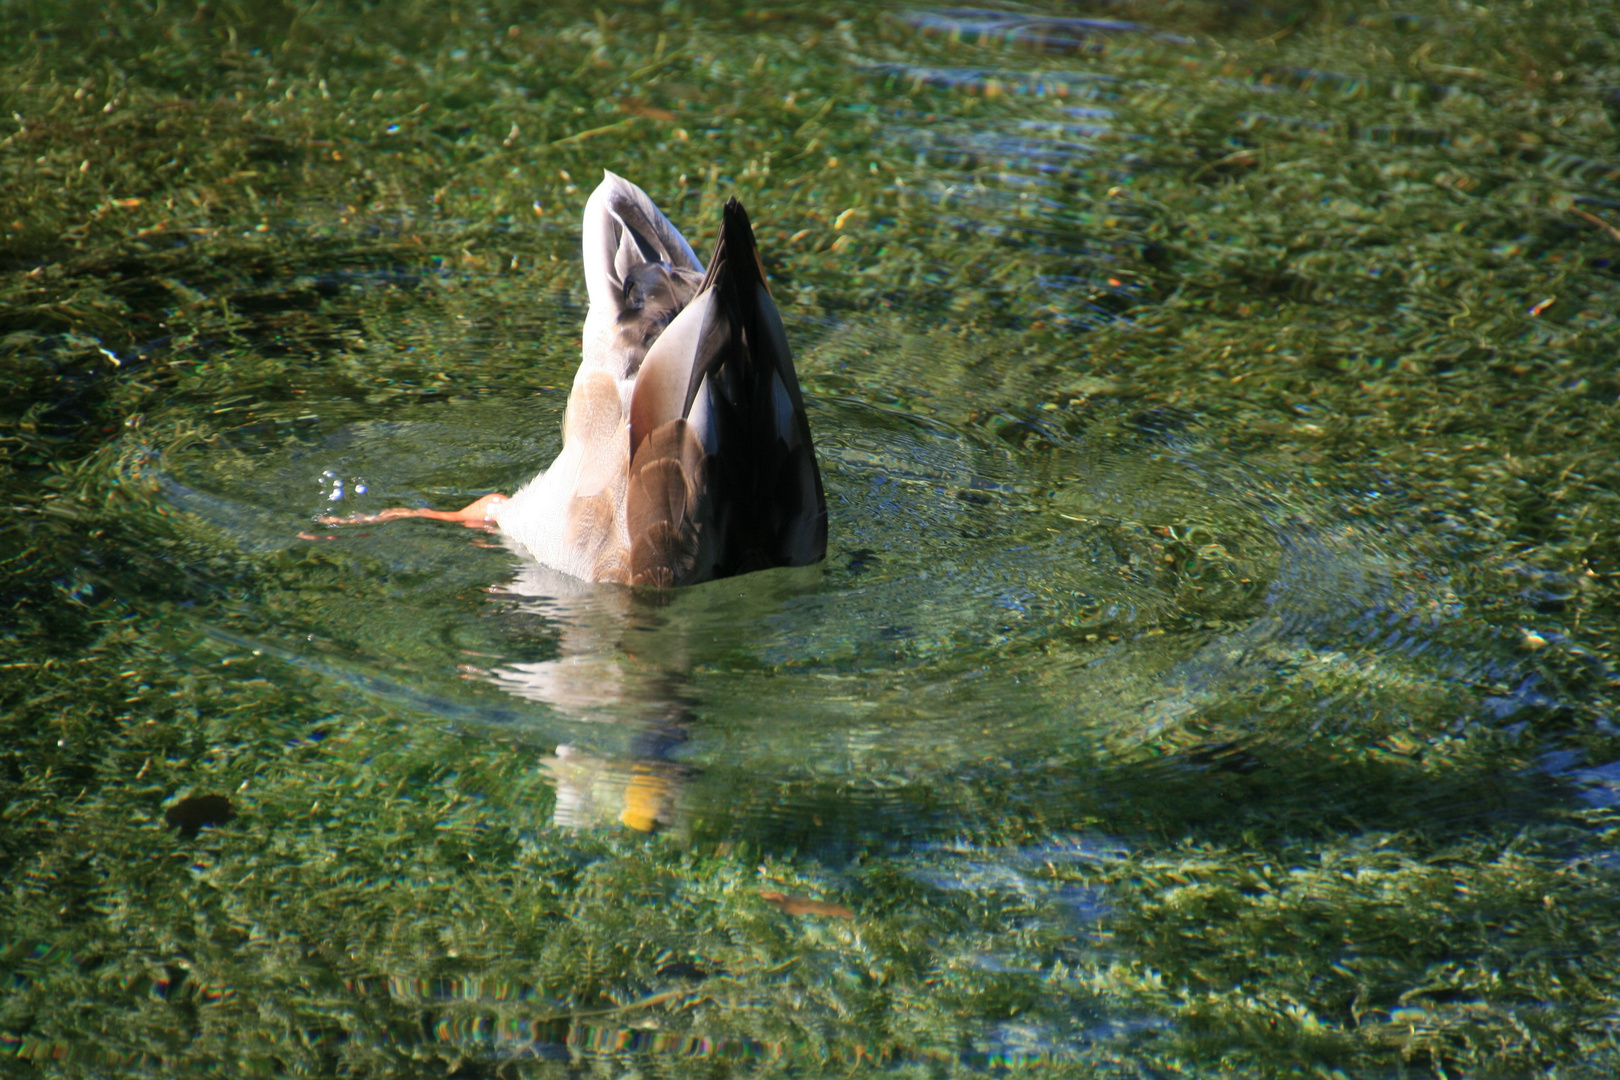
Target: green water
column 1213, row 668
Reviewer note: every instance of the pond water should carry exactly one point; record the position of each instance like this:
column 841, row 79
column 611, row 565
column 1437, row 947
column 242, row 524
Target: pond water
column 1212, row 669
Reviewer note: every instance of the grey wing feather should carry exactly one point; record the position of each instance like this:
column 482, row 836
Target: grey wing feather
column 646, row 235
column 638, row 267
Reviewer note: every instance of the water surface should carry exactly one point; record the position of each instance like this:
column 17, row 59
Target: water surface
column 1211, row 670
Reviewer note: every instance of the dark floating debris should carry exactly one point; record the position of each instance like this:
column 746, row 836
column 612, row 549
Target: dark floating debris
column 684, row 969
column 195, row 812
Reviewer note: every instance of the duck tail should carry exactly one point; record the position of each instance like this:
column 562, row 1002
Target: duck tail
column 723, row 476
column 774, row 474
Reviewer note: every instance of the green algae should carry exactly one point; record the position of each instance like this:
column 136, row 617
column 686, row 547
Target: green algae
column 1388, row 283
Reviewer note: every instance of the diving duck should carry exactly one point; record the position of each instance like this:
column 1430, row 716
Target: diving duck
column 686, row 451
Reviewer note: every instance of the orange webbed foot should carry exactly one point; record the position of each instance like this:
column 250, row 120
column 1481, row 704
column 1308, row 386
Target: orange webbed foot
column 479, row 514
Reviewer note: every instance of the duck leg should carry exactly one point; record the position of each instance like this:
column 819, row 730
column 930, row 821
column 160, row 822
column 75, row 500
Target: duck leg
column 479, row 514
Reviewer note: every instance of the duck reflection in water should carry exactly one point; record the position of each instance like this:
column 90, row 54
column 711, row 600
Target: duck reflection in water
column 686, row 457
column 627, row 657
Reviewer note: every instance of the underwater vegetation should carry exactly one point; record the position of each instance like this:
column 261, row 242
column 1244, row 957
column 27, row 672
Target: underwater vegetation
column 1213, row 670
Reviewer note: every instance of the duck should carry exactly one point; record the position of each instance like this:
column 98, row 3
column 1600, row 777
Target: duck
column 686, row 452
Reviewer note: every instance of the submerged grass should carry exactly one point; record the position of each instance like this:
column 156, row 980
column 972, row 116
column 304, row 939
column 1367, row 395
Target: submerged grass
column 1374, row 251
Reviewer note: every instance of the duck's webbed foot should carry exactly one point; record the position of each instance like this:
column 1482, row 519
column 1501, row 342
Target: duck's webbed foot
column 475, row 515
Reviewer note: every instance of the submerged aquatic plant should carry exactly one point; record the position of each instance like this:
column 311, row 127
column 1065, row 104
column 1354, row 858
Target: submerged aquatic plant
column 1352, row 272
